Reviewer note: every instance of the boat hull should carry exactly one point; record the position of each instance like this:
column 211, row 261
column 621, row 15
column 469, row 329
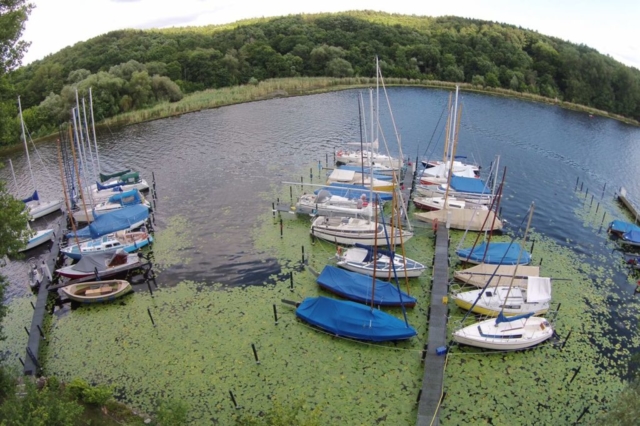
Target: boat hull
column 41, row 237
column 506, row 336
column 97, row 291
column 349, row 231
column 44, row 208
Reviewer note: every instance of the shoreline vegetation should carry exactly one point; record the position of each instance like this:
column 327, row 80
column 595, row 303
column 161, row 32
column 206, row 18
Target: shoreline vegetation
column 302, row 86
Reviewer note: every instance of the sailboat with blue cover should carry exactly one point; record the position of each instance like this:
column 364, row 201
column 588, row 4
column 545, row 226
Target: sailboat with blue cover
column 353, row 320
column 359, row 288
column 503, row 253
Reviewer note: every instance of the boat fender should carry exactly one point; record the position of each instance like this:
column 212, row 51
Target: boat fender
column 434, row 225
column 340, row 153
column 339, row 251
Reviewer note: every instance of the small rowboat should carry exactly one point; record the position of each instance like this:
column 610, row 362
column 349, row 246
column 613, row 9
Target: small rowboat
column 97, row 291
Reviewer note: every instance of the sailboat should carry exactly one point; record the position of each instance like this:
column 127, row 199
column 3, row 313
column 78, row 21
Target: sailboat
column 479, row 275
column 326, row 204
column 379, row 262
column 40, row 237
column 505, row 333
column 34, row 205
column 114, row 202
column 503, row 253
column 127, row 240
column 352, row 230
column 458, row 214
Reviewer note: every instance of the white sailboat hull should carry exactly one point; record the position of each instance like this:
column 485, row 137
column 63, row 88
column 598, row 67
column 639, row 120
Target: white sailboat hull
column 505, row 336
column 349, row 231
column 41, row 237
column 353, row 259
column 39, row 209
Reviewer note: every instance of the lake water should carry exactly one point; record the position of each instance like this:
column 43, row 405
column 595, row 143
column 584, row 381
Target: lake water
column 210, row 166
column 214, row 167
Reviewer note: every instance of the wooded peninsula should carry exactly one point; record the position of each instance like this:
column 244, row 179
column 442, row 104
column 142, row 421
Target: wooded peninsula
column 132, row 72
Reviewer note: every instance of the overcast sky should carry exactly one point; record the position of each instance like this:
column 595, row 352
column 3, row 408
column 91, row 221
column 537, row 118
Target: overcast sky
column 610, row 26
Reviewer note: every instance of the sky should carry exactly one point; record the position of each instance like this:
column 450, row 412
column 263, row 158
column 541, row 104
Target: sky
column 610, row 26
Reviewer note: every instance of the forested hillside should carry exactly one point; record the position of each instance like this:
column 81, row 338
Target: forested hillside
column 129, row 69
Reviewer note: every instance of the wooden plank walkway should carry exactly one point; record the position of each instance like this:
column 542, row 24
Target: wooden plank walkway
column 622, row 196
column 432, row 381
column 31, row 363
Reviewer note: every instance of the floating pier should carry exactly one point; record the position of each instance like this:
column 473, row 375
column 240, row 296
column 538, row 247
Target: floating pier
column 36, row 334
column 624, row 199
column 431, row 393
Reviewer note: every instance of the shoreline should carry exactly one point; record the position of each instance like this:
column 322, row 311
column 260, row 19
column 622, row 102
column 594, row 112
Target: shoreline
column 289, row 87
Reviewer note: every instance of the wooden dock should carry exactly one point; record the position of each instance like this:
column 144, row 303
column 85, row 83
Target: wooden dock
column 31, row 364
column 432, row 381
column 624, row 199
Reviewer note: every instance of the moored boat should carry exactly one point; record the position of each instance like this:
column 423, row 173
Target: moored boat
column 97, row 291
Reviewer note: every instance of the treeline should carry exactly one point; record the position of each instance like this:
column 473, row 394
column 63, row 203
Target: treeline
column 129, row 69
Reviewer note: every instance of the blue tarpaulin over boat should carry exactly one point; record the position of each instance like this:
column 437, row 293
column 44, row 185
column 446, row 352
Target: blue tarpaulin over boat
column 497, row 253
column 632, row 237
column 358, row 287
column 353, row 191
column 108, row 223
column 33, row 197
column 128, row 198
column 353, row 320
column 470, row 185
column 620, row 226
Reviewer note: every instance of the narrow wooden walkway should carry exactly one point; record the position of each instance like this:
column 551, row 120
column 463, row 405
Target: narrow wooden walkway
column 432, row 381
column 31, row 364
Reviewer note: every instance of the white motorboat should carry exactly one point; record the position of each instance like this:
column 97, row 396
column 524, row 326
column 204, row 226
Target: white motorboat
column 127, row 240
column 506, row 334
column 327, row 204
column 352, row 230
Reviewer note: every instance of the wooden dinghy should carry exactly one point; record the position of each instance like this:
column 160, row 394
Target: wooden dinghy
column 97, row 291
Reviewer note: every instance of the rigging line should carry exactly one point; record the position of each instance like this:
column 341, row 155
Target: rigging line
column 435, row 413
column 37, row 153
column 433, row 134
column 495, row 271
column 474, row 141
column 395, row 128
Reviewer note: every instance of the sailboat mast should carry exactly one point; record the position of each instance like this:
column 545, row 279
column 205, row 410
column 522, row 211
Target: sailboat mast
column 93, row 126
column 86, row 129
column 13, row 173
column 524, row 239
column 26, row 148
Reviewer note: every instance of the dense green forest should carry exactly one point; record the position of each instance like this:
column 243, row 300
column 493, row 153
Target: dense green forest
column 129, row 69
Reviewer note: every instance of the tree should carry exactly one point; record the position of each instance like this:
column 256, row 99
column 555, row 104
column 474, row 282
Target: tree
column 13, row 15
column 13, row 223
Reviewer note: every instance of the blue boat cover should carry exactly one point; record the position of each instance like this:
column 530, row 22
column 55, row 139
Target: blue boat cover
column 33, row 197
column 469, row 185
column 110, row 222
column 497, row 253
column 128, row 198
column 621, row 226
column 382, row 251
column 632, row 236
column 353, row 191
column 358, row 287
column 353, row 320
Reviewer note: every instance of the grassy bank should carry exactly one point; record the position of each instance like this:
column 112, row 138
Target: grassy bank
column 285, row 87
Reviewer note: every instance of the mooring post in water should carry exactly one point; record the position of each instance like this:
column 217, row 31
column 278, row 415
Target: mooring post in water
column 311, row 174
column 32, row 305
column 582, row 414
column 603, row 188
column 27, row 330
column 575, row 373
column 581, row 185
column 313, row 237
column 290, row 194
column 603, row 216
column 577, row 180
column 541, row 261
column 290, row 282
column 533, row 243
column 255, row 353
column 150, row 316
column 326, row 159
column 301, row 183
column 153, row 179
column 273, row 209
column 233, row 399
column 419, row 396
column 597, row 207
column 275, row 313
column 591, row 204
column 280, row 227
column 424, row 351
column 150, row 291
column 21, row 361
column 303, row 254
column 41, row 333
column 567, row 338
